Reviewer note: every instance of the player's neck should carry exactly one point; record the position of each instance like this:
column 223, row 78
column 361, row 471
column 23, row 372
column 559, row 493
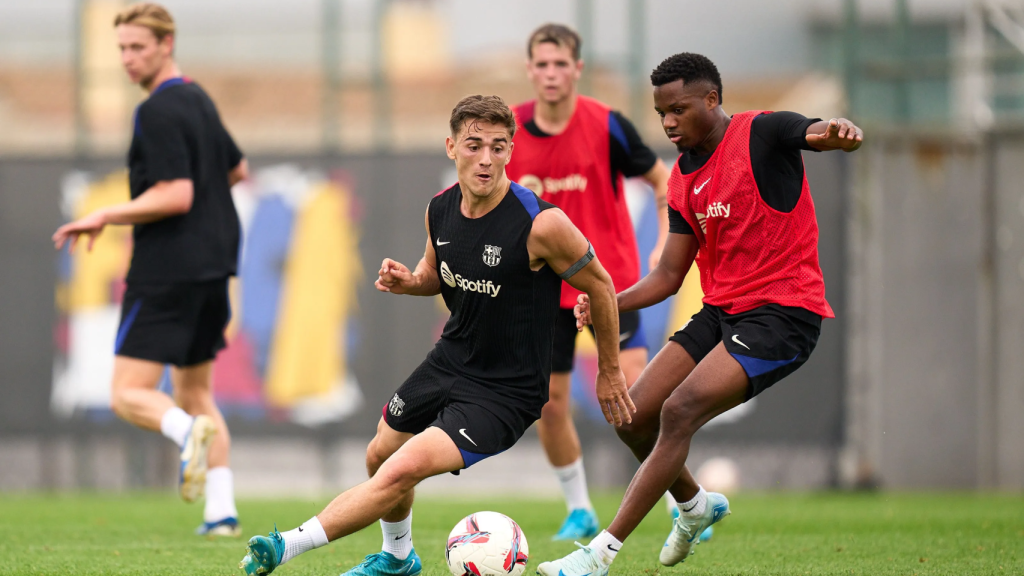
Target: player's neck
column 474, row 206
column 553, row 117
column 168, row 71
column 715, row 135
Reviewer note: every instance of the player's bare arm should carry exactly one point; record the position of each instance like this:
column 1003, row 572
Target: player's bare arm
column 239, row 172
column 555, row 241
column 662, row 282
column 835, row 134
column 657, row 177
column 165, row 199
column 396, row 278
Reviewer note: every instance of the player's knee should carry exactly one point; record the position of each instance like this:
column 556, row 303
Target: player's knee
column 638, row 432
column 402, row 474
column 680, row 415
column 556, row 409
column 375, row 457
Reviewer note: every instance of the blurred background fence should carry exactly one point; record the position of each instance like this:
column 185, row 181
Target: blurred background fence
column 342, row 107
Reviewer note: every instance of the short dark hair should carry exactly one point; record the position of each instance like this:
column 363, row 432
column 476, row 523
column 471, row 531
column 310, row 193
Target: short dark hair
column 558, row 34
column 491, row 109
column 688, row 67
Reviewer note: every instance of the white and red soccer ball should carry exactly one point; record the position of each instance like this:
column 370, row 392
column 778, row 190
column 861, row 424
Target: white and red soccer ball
column 487, row 544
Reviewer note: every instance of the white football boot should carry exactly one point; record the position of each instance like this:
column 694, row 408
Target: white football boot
column 686, row 531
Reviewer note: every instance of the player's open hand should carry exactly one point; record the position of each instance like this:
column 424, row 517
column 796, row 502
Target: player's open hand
column 613, row 396
column 582, row 312
column 92, row 225
column 394, row 277
column 840, row 134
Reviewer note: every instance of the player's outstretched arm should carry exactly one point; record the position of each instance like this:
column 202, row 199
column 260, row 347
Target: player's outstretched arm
column 836, row 134
column 554, row 240
column 396, row 278
column 662, row 282
column 164, row 199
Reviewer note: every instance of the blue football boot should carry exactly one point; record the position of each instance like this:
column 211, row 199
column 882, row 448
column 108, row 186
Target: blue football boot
column 579, row 524
column 226, row 527
column 263, row 554
column 385, row 564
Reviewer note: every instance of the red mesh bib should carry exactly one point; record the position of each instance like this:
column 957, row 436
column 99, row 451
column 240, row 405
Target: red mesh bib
column 572, row 170
column 750, row 254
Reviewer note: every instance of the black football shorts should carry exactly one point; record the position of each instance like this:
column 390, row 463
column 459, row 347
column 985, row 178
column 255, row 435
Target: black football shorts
column 770, row 342
column 180, row 324
column 480, row 421
column 563, row 345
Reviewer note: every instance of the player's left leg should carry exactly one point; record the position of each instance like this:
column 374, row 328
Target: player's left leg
column 715, row 385
column 193, row 392
column 427, row 454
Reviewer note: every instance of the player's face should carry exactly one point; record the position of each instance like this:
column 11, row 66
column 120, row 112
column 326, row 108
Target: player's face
column 553, row 71
column 142, row 55
column 480, row 150
column 687, row 112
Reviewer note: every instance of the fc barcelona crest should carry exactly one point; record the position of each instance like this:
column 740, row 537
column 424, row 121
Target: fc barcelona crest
column 492, row 255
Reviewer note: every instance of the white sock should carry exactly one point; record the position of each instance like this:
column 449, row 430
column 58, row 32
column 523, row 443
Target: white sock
column 303, row 539
column 397, row 537
column 573, row 480
column 606, row 547
column 695, row 506
column 670, row 502
column 175, row 424
column 220, row 494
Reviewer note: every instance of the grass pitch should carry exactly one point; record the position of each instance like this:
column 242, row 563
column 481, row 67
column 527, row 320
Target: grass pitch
column 768, row 534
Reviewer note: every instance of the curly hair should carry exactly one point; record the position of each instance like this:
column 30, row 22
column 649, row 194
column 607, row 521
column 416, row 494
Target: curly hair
column 688, row 67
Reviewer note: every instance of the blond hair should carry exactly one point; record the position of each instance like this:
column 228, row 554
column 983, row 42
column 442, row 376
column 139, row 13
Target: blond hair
column 148, row 15
column 557, row 34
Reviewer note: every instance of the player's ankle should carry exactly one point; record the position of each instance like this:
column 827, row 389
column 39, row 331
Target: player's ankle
column 605, row 547
column 694, row 506
column 310, row 535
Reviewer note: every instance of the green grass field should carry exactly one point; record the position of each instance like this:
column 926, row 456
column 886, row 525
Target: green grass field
column 783, row 534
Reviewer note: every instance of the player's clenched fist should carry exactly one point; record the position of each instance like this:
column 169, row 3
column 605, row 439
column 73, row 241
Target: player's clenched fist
column 394, row 277
column 582, row 312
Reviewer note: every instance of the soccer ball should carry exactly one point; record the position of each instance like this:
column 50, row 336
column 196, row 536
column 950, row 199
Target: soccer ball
column 487, row 544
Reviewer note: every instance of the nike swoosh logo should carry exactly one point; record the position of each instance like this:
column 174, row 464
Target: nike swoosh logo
column 612, row 549
column 300, row 529
column 736, row 339
column 625, row 336
column 697, row 189
column 463, row 432
column 402, row 536
column 439, row 243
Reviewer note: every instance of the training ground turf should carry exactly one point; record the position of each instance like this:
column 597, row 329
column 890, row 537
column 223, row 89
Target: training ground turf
column 870, row 534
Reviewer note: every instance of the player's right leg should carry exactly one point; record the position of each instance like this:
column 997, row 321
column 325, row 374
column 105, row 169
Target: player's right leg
column 158, row 323
column 397, row 555
column 559, row 438
column 409, row 412
column 427, row 454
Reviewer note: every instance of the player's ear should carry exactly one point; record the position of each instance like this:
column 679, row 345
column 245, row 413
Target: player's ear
column 579, row 67
column 711, row 100
column 449, row 147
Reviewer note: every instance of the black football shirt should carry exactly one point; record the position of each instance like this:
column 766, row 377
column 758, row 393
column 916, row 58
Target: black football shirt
column 178, row 134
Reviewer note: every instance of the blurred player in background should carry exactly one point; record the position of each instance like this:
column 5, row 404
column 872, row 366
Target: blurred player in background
column 182, row 164
column 497, row 255
column 574, row 152
column 740, row 204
